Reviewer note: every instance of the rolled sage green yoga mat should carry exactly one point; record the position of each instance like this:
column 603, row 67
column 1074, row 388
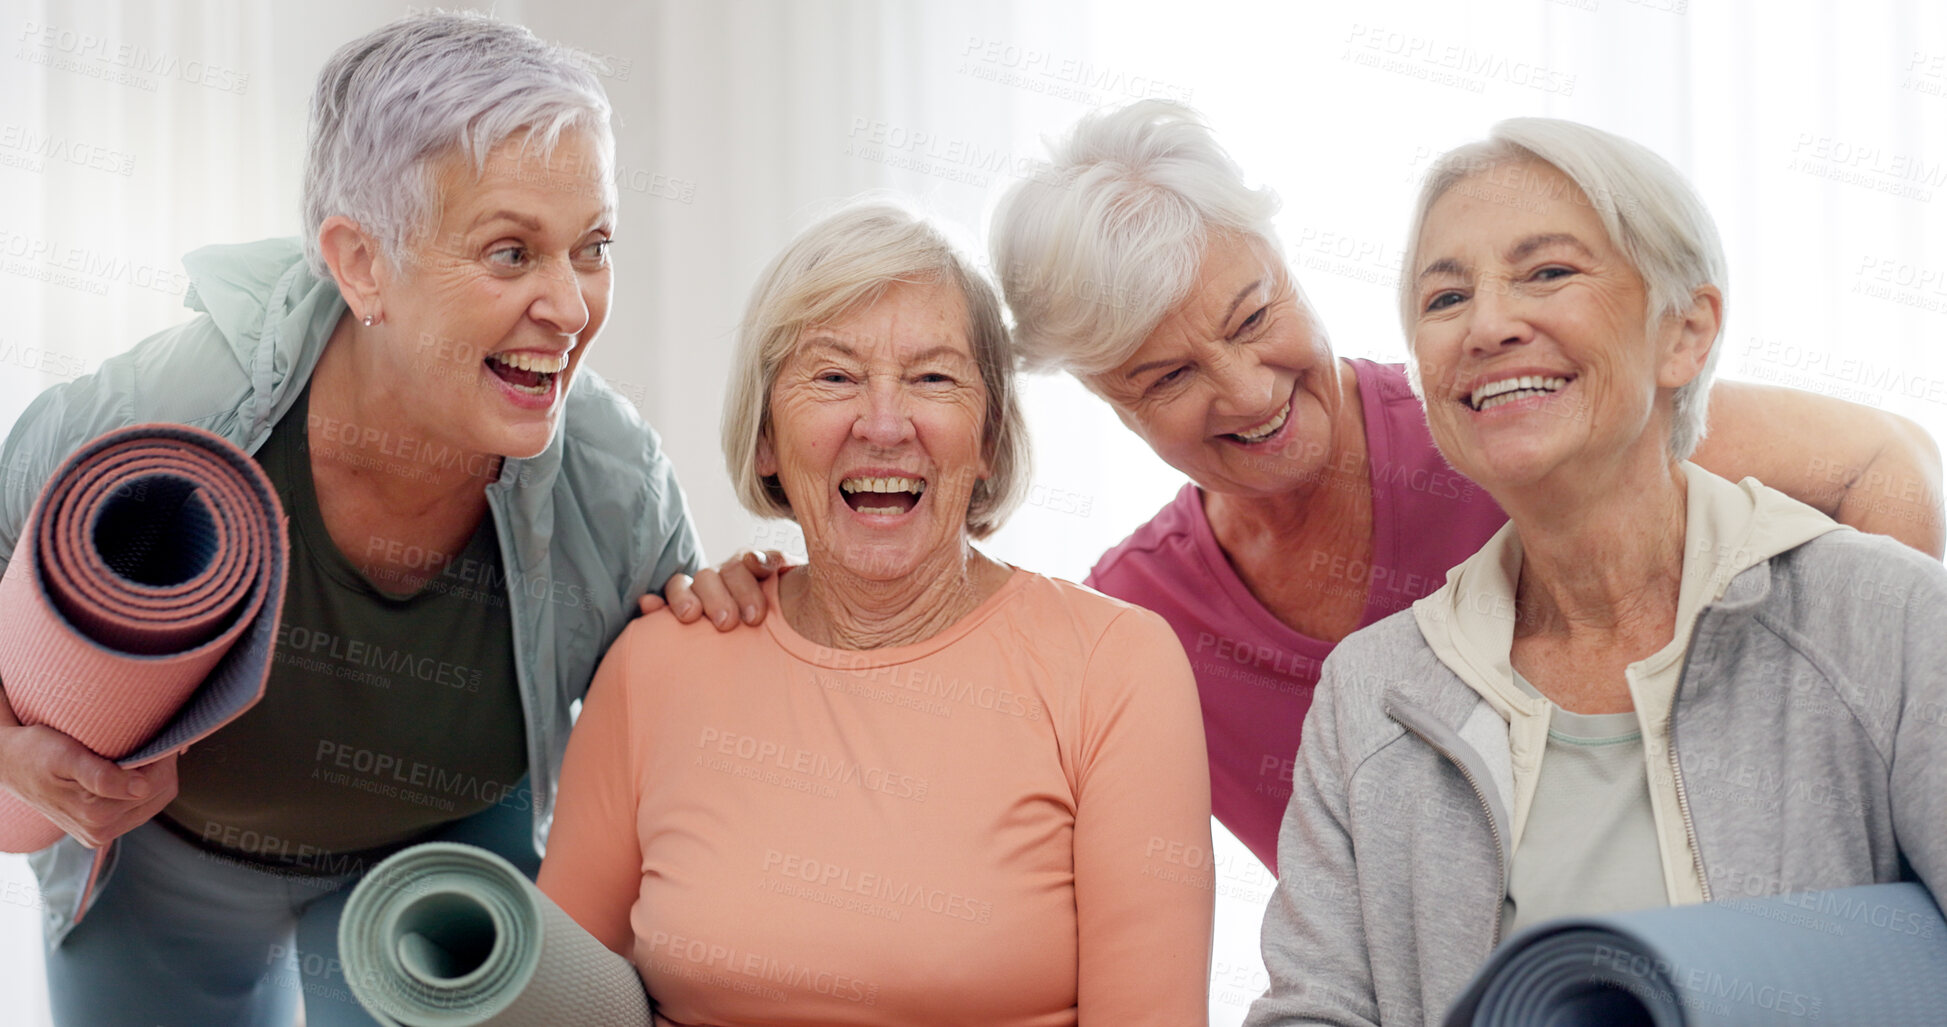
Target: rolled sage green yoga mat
column 448, row 935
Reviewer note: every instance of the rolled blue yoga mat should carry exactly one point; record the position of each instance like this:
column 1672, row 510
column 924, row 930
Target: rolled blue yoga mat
column 1869, row 955
column 449, row 935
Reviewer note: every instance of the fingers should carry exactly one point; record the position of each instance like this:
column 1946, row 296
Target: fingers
column 764, row 564
column 100, row 821
column 679, row 596
column 84, row 795
column 98, row 777
column 155, row 779
column 718, row 604
column 742, row 580
column 161, row 779
column 103, row 819
column 649, row 603
column 726, row 595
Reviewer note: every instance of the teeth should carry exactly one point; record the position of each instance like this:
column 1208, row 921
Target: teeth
column 1507, row 390
column 912, row 485
column 1268, row 428
column 533, row 362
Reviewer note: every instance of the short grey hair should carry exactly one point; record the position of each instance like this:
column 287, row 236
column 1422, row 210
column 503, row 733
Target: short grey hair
column 1094, row 250
column 391, row 105
column 842, row 264
column 1646, row 205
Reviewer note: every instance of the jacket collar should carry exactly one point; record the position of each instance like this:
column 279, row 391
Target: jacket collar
column 1729, row 529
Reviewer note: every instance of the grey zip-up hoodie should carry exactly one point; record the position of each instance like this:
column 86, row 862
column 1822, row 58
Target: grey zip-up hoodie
column 1803, row 746
column 585, row 528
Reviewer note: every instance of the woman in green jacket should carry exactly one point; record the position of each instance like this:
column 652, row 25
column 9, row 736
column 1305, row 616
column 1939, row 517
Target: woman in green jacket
column 473, row 517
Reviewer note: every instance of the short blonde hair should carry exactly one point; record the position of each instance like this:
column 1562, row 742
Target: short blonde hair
column 842, row 264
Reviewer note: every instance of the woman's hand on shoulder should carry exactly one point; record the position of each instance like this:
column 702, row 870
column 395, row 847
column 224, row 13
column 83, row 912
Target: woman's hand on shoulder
column 727, row 595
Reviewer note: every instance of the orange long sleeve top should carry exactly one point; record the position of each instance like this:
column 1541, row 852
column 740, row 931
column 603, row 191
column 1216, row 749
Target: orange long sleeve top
column 1005, row 824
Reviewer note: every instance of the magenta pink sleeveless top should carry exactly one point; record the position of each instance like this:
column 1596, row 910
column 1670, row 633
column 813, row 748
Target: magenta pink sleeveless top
column 1254, row 674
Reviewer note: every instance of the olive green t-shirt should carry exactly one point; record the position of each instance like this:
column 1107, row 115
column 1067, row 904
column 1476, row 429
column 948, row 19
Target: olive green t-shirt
column 385, row 715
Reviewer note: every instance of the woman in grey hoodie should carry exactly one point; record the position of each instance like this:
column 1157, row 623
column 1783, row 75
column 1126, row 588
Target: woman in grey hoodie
column 1653, row 686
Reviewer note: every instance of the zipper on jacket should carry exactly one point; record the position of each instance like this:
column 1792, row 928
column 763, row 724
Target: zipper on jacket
column 1676, row 775
column 1493, row 828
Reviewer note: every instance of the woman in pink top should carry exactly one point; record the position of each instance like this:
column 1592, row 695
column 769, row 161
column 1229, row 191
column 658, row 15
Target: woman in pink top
column 937, row 789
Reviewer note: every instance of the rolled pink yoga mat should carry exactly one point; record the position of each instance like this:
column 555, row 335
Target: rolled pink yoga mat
column 139, row 611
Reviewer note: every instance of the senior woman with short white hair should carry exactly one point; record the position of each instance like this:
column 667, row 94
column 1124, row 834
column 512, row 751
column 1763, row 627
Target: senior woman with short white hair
column 931, row 788
column 1653, row 686
column 473, row 516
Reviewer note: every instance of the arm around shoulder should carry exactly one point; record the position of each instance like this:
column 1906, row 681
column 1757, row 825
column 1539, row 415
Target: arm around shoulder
column 1876, row 471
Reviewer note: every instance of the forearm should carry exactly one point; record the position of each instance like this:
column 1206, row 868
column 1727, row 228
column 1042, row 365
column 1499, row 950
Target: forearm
column 1875, row 471
column 1898, row 494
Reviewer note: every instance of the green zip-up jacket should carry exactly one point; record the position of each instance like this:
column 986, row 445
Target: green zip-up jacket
column 585, row 528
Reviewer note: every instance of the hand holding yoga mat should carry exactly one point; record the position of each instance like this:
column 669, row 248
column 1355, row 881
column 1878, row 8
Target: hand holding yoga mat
column 141, row 603
column 1869, row 955
column 448, row 935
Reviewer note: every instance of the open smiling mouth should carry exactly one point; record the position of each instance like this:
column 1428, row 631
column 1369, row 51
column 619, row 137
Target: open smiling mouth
column 886, row 497
column 1507, row 390
column 1259, row 433
column 531, row 373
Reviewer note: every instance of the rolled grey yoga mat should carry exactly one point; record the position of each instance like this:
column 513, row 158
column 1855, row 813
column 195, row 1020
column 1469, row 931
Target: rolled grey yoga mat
column 448, row 935
column 1875, row 955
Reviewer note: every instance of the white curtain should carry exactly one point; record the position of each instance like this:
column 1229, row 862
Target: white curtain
column 129, row 135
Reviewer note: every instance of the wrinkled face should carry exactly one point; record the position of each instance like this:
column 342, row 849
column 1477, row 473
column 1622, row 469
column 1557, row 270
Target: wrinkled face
column 1237, row 387
column 493, row 312
column 875, row 433
column 1531, row 335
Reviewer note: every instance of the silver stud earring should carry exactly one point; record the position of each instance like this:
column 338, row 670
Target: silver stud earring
column 369, row 320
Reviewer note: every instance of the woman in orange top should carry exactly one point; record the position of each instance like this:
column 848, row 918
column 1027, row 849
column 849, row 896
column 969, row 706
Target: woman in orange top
column 937, row 790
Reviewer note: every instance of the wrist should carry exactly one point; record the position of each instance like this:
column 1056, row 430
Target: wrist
column 8, row 736
column 7, row 718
